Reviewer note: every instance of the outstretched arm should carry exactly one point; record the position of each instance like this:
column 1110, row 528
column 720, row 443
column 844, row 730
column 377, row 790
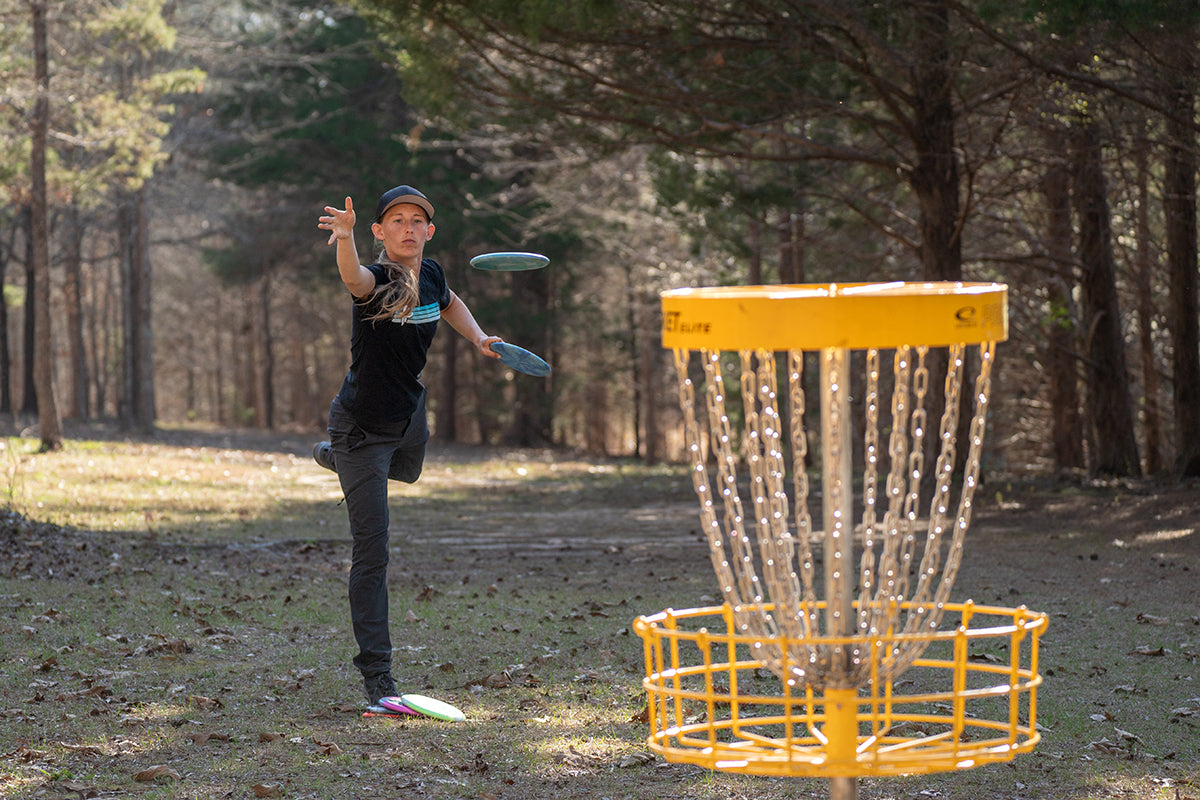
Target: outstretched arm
column 461, row 319
column 357, row 278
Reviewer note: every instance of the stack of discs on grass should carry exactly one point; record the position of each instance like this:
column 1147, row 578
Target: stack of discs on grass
column 416, row 705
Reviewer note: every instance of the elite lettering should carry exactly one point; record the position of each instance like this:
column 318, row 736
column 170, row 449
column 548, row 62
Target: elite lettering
column 673, row 322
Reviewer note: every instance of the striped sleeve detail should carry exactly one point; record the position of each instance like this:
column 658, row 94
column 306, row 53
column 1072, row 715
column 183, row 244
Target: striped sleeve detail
column 426, row 313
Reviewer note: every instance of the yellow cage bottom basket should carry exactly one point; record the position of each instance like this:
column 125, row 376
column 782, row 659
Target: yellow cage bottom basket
column 970, row 699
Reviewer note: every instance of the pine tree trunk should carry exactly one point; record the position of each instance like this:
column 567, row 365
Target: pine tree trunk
column 1061, row 356
column 6, row 406
column 29, row 326
column 143, row 333
column 128, row 388
column 264, row 369
column 1179, row 204
column 1115, row 446
column 935, row 179
column 77, row 405
column 1144, row 292
column 47, row 405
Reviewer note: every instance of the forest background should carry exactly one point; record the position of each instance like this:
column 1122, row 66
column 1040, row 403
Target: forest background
column 162, row 165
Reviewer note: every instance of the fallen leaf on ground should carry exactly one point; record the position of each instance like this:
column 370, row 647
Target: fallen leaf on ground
column 26, row 755
column 75, row 787
column 589, row 676
column 169, row 646
column 85, row 749
column 635, row 760
column 204, row 738
column 267, row 790
column 1147, row 650
column 156, row 773
column 496, row 680
column 574, row 758
column 327, row 748
column 95, row 691
column 205, row 703
column 1127, row 736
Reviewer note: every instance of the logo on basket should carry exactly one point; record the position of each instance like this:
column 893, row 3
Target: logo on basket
column 673, row 322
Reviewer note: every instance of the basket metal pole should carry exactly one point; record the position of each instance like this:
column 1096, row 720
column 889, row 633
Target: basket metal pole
column 837, row 495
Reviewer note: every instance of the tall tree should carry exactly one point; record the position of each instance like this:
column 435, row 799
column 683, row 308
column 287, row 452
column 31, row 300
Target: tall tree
column 78, row 406
column 1183, row 266
column 6, row 253
column 15, row 72
column 30, row 307
column 935, row 176
column 49, row 422
column 1113, row 441
column 1144, row 291
column 1060, row 348
column 137, row 409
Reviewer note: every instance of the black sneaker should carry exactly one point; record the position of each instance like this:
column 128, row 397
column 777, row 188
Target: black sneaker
column 323, row 455
column 378, row 686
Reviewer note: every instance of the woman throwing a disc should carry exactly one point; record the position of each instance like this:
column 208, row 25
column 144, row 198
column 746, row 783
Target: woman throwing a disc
column 377, row 425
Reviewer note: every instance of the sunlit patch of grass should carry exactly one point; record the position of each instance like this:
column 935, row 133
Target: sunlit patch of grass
column 161, row 489
column 18, row 782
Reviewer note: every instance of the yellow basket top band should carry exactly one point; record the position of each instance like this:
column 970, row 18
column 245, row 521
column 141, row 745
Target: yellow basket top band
column 852, row 316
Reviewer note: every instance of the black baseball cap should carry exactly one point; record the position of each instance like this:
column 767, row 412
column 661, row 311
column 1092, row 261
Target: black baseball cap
column 402, row 194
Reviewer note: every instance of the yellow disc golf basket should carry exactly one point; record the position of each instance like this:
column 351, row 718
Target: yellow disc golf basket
column 837, row 652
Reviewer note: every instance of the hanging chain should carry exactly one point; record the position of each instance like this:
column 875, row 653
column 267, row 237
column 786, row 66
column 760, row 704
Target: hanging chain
column 781, row 544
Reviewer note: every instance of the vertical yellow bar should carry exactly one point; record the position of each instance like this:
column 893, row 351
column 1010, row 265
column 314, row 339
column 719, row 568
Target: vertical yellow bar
column 959, row 691
column 1014, row 675
column 654, row 657
column 841, row 748
column 1033, row 674
column 841, row 725
column 710, row 704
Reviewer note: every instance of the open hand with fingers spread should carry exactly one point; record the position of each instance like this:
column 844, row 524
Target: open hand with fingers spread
column 340, row 223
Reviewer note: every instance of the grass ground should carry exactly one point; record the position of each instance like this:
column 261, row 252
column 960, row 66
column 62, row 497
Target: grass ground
column 173, row 625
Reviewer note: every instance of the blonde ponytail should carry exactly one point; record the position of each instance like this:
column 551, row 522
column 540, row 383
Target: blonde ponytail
column 398, row 297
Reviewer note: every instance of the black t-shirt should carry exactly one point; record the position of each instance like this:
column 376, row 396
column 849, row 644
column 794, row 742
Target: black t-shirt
column 387, row 356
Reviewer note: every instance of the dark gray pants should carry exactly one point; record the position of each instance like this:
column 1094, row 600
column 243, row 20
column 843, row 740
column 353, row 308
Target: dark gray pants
column 365, row 460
